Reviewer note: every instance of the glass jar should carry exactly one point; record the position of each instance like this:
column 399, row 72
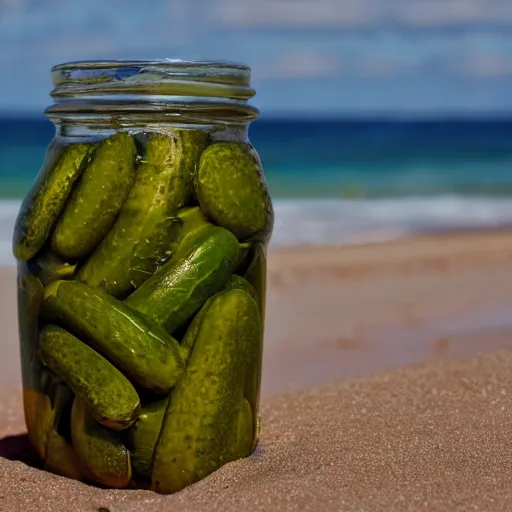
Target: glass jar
column 141, row 252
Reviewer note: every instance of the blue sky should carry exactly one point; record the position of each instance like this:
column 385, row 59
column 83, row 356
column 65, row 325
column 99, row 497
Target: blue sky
column 307, row 56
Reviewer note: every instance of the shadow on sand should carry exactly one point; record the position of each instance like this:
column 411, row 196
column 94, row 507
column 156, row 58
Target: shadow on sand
column 18, row 448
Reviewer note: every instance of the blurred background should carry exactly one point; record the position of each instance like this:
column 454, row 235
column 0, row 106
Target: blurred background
column 379, row 118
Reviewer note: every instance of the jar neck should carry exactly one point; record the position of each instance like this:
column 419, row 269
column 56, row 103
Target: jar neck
column 95, row 95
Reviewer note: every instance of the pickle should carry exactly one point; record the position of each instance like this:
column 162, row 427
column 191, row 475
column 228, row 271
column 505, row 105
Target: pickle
column 30, row 301
column 191, row 220
column 102, row 454
column 51, row 267
column 180, row 287
column 106, row 392
column 231, row 189
column 194, row 142
column 252, row 387
column 201, row 421
column 144, row 436
column 254, row 270
column 145, row 228
column 235, row 282
column 47, row 197
column 244, row 432
column 256, row 274
column 38, row 413
column 245, row 249
column 193, row 226
column 239, row 283
column 193, row 329
column 146, row 353
column 97, row 198
column 253, row 381
column 44, row 408
column 61, row 458
column 36, row 403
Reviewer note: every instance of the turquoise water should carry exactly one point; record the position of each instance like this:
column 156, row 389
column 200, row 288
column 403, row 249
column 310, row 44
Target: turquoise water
column 338, row 181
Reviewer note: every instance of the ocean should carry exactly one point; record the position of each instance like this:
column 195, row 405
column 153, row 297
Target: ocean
column 337, row 181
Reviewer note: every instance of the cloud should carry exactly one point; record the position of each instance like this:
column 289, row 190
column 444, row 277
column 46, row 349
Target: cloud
column 380, row 68
column 292, row 12
column 456, row 12
column 300, row 65
column 361, row 13
column 484, row 64
column 7, row 6
column 305, row 65
column 453, row 62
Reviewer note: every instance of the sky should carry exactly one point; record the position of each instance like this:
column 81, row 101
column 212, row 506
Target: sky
column 309, row 57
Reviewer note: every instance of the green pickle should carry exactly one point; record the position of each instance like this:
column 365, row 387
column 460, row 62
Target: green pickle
column 141, row 250
column 240, row 283
column 201, row 422
column 146, row 226
column 36, row 402
column 144, row 436
column 97, row 198
column 61, row 458
column 244, row 432
column 103, row 456
column 145, row 352
column 231, row 189
column 50, row 267
column 254, row 270
column 47, row 196
column 179, row 288
column 107, row 393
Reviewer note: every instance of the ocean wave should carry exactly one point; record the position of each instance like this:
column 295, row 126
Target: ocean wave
column 8, row 211
column 348, row 221
column 352, row 221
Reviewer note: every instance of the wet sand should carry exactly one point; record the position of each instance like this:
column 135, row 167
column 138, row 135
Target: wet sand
column 348, row 424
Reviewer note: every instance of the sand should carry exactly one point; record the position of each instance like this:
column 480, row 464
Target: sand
column 387, row 386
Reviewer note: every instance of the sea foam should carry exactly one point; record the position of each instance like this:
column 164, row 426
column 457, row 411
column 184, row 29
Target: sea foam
column 348, row 221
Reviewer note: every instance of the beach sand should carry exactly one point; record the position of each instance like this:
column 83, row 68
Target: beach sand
column 387, row 386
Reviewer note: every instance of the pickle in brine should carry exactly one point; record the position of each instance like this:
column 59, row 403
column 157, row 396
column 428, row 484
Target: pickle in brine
column 192, row 331
column 194, row 142
column 243, row 446
column 201, row 423
column 144, row 352
column 61, row 459
column 180, row 287
column 60, row 456
column 36, row 402
column 107, row 393
column 47, row 197
column 142, row 234
column 254, row 270
column 239, row 283
column 102, row 454
column 144, row 435
column 232, row 190
column 245, row 249
column 97, row 197
column 49, row 267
